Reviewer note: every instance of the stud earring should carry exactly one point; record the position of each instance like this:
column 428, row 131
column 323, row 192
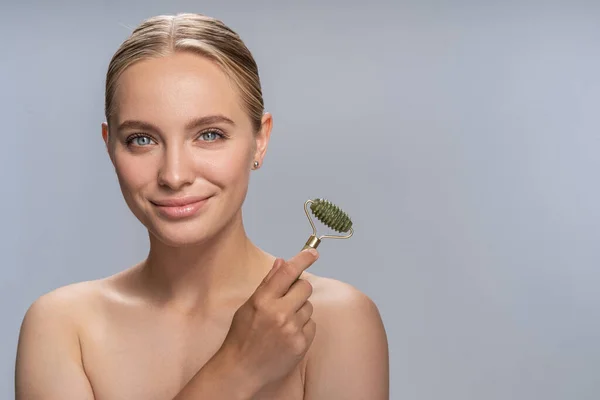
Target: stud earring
column 255, row 164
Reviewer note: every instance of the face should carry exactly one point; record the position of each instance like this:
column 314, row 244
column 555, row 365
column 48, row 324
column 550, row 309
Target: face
column 183, row 147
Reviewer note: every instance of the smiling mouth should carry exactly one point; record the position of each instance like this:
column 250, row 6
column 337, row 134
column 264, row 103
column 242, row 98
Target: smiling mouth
column 179, row 208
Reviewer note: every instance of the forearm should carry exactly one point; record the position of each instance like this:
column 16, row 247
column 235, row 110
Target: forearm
column 219, row 379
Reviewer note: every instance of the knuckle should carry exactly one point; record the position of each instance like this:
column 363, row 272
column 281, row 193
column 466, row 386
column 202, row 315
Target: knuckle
column 298, row 344
column 307, row 286
column 280, row 318
column 259, row 303
column 289, row 330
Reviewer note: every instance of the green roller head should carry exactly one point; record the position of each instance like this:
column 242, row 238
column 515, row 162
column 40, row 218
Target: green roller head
column 331, row 215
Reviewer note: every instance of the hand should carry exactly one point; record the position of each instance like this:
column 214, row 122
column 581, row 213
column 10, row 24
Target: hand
column 273, row 330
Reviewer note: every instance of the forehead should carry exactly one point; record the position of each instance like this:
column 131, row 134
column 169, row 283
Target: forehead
column 174, row 89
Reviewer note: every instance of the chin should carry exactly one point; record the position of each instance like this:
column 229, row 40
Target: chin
column 188, row 232
column 181, row 234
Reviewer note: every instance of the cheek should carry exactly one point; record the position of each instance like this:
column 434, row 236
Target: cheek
column 230, row 169
column 134, row 172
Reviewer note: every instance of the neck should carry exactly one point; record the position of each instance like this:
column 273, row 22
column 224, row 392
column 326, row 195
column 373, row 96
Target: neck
column 211, row 274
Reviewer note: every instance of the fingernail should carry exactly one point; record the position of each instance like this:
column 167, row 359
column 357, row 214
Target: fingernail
column 312, row 251
column 277, row 263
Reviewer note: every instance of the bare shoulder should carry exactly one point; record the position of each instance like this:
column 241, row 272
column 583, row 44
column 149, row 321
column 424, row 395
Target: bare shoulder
column 48, row 362
column 75, row 303
column 337, row 301
column 68, row 311
column 61, row 305
column 349, row 356
column 67, row 304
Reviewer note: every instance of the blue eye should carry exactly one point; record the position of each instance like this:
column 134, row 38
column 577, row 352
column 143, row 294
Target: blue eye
column 142, row 140
column 210, row 136
column 139, row 140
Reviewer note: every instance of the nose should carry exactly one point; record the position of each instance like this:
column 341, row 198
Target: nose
column 176, row 169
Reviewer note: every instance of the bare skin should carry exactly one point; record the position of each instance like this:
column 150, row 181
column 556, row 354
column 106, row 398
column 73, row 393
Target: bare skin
column 207, row 314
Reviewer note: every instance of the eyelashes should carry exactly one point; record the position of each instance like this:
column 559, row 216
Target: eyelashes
column 132, row 138
column 144, row 140
column 217, row 133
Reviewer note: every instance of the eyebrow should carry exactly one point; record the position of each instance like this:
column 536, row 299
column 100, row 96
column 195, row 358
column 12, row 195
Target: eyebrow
column 195, row 123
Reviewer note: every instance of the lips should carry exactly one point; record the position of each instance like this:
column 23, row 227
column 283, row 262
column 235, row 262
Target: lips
column 178, row 202
column 182, row 207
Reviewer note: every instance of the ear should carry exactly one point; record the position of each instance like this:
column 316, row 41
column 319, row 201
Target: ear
column 263, row 137
column 105, row 133
column 106, row 138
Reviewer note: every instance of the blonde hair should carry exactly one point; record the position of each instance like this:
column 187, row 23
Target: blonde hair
column 208, row 37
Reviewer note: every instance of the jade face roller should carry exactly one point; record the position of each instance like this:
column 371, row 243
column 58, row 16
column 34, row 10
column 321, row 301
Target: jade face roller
column 330, row 215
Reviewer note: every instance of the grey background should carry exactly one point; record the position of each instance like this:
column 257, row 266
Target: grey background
column 460, row 136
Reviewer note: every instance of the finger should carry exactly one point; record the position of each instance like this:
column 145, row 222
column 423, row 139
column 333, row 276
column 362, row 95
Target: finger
column 276, row 264
column 309, row 331
column 304, row 314
column 297, row 295
column 289, row 272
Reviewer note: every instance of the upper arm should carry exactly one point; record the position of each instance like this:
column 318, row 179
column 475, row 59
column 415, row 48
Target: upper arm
column 349, row 356
column 48, row 364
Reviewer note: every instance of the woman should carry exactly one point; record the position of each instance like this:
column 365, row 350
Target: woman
column 207, row 315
